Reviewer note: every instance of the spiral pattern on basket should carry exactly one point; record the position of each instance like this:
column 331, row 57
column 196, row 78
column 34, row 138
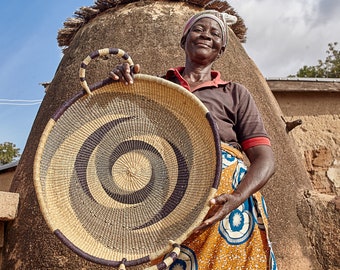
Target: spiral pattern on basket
column 115, row 167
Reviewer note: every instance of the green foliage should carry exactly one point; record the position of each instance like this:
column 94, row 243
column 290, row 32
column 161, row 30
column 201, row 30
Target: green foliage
column 8, row 152
column 329, row 68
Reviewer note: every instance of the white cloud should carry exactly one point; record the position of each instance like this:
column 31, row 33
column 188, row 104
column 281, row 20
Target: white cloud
column 285, row 35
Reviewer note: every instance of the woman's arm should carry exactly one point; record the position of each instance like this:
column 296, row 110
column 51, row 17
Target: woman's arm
column 262, row 167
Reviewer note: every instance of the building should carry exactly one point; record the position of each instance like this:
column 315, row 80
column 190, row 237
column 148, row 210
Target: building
column 8, row 201
column 316, row 102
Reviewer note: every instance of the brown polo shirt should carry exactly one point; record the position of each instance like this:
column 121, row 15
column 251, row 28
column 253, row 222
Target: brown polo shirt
column 232, row 107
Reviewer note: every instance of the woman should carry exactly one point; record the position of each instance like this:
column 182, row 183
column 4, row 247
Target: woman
column 234, row 233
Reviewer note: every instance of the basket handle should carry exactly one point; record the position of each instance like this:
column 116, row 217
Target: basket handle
column 95, row 54
column 169, row 259
column 163, row 264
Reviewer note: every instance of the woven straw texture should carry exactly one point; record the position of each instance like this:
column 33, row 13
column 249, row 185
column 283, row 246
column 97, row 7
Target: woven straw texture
column 122, row 172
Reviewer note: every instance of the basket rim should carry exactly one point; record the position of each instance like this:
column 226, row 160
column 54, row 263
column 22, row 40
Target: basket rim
column 42, row 143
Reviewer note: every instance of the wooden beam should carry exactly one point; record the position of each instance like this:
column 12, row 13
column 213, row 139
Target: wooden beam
column 304, row 85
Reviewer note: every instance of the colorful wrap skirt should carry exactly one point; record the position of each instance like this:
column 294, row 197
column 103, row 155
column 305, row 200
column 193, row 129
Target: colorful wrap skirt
column 240, row 240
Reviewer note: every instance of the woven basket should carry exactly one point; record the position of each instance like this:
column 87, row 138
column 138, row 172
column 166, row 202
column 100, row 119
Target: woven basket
column 124, row 173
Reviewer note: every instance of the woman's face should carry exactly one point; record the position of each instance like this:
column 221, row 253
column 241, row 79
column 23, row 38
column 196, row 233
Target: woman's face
column 203, row 43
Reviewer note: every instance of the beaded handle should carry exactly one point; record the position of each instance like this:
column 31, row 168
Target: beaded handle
column 172, row 256
column 95, row 54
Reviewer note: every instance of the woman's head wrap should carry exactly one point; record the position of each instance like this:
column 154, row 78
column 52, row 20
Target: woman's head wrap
column 223, row 19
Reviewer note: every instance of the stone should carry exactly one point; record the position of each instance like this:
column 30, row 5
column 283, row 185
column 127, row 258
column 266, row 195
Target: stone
column 333, row 174
column 8, row 205
column 323, row 158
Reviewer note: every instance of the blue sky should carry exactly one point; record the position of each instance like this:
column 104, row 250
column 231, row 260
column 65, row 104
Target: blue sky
column 29, row 56
column 282, row 37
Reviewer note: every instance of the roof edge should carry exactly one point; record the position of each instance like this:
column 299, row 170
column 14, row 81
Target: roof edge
column 303, row 79
column 9, row 165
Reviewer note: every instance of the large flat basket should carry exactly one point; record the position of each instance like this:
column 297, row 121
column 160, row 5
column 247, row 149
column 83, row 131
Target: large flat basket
column 127, row 171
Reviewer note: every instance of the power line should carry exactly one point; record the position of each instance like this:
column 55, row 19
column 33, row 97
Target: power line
column 20, row 102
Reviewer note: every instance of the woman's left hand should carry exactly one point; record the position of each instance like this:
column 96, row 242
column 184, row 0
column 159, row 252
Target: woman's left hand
column 262, row 167
column 220, row 207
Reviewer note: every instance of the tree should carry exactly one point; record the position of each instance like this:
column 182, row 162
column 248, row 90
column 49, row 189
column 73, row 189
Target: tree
column 330, row 68
column 8, row 152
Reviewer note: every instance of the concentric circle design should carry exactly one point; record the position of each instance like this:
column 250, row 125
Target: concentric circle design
column 186, row 260
column 237, row 227
column 121, row 172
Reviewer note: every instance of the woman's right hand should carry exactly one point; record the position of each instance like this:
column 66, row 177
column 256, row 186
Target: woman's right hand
column 124, row 73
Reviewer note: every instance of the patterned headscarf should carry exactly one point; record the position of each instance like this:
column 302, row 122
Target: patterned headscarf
column 223, row 19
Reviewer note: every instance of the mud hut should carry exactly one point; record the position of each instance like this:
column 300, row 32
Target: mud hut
column 150, row 31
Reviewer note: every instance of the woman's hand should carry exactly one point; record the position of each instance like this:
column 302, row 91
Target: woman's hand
column 124, row 73
column 220, row 207
column 262, row 167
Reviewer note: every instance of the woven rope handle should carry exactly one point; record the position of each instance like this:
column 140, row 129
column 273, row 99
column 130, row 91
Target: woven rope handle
column 172, row 256
column 95, row 54
column 122, row 265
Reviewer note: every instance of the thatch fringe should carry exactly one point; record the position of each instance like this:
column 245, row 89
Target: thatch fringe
column 85, row 14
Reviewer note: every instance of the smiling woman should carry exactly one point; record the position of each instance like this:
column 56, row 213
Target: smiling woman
column 234, row 233
column 203, row 44
column 150, row 31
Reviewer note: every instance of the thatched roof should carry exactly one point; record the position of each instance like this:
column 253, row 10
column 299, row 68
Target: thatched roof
column 85, row 14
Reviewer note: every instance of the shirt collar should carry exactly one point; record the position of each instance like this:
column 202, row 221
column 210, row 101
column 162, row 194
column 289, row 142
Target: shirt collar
column 177, row 71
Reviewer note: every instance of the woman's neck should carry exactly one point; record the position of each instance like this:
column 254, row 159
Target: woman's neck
column 197, row 74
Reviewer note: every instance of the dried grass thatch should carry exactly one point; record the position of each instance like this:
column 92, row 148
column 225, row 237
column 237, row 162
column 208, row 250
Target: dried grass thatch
column 85, row 14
